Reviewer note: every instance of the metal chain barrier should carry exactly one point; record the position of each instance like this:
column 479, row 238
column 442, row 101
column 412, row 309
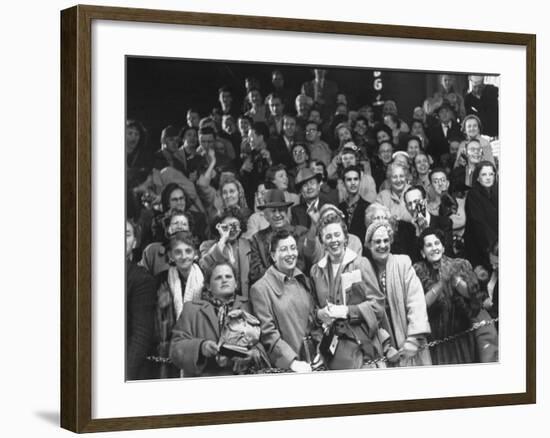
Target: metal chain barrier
column 473, row 328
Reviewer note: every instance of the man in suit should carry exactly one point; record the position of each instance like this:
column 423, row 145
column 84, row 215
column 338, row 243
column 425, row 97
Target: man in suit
column 308, row 183
column 275, row 210
column 275, row 119
column 441, row 131
column 280, row 147
column 354, row 205
column 415, row 201
column 482, row 101
column 225, row 98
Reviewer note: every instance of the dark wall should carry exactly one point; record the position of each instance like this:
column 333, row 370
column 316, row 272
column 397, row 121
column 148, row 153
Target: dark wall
column 159, row 91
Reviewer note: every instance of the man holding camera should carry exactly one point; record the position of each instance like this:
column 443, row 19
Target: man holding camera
column 415, row 201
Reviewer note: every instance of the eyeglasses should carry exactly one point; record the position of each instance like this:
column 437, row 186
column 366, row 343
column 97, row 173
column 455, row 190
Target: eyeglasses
column 298, row 152
column 439, row 180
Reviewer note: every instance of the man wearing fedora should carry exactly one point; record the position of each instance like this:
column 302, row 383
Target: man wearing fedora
column 445, row 128
column 308, row 184
column 275, row 210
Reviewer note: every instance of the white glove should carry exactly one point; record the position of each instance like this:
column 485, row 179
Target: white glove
column 409, row 349
column 338, row 311
column 300, row 367
column 325, row 316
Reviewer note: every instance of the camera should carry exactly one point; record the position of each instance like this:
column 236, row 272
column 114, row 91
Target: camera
column 420, row 209
column 232, row 228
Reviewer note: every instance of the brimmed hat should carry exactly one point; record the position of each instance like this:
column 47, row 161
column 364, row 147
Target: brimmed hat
column 305, row 175
column 274, row 198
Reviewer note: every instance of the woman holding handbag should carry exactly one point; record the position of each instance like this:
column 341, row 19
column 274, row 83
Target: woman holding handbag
column 350, row 304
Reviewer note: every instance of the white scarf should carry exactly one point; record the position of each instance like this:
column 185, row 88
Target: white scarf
column 193, row 287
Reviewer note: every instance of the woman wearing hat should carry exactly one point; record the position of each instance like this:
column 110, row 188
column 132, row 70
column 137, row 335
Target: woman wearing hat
column 407, row 318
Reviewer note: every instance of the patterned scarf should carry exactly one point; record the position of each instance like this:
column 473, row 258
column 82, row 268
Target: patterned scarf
column 221, row 307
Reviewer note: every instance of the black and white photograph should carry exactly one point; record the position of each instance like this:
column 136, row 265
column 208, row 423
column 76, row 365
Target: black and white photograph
column 285, row 218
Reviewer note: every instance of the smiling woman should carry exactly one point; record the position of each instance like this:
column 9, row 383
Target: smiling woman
column 282, row 301
column 453, row 298
column 406, row 317
column 181, row 283
column 350, row 304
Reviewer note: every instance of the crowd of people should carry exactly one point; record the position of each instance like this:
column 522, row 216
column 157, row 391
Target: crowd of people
column 297, row 233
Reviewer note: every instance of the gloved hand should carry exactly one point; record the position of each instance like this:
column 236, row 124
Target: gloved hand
column 338, row 311
column 300, row 367
column 325, row 316
column 410, row 348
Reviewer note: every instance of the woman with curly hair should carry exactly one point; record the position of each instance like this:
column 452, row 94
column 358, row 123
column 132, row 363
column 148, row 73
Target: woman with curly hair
column 230, row 193
column 454, row 301
column 174, row 197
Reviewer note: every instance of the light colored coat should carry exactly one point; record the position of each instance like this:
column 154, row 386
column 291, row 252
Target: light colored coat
column 356, row 286
column 407, row 306
column 395, row 203
column 286, row 318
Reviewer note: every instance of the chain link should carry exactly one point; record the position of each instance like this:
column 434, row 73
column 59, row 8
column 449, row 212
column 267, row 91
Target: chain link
column 158, row 359
column 473, row 328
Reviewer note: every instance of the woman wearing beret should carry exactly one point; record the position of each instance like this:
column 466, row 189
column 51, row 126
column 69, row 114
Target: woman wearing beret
column 407, row 317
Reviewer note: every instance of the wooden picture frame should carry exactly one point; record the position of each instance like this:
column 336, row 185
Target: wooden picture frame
column 76, row 217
